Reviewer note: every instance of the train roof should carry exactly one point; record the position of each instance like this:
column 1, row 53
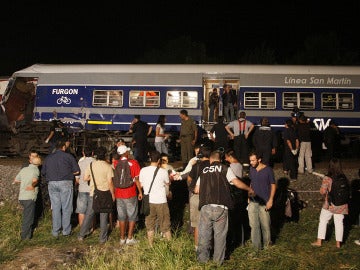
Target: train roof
column 38, row 69
column 186, row 75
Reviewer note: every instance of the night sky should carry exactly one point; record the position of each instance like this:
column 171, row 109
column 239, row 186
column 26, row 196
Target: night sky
column 55, row 32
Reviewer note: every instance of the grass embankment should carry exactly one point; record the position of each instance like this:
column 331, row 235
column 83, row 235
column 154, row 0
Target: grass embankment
column 292, row 249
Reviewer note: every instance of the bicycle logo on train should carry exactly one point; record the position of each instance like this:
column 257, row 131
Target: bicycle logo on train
column 63, row 100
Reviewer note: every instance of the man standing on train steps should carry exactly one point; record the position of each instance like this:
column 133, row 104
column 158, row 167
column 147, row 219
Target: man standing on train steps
column 229, row 100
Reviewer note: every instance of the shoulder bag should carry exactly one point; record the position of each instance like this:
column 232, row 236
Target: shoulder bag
column 102, row 200
column 145, row 203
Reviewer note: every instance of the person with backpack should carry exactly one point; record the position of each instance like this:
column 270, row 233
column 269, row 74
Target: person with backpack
column 127, row 193
column 336, row 189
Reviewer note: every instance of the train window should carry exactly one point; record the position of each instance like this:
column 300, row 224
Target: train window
column 140, row 98
column 181, row 99
column 110, row 98
column 260, row 100
column 337, row 101
column 302, row 100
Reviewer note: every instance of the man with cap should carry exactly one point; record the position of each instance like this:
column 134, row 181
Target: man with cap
column 127, row 199
column 140, row 130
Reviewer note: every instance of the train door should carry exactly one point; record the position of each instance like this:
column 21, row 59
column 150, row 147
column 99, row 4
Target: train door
column 216, row 85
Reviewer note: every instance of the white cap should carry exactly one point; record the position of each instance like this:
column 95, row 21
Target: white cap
column 122, row 149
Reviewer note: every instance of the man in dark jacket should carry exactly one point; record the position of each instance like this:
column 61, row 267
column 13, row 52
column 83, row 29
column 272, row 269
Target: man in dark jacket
column 214, row 203
column 59, row 169
column 332, row 140
column 140, row 130
column 265, row 141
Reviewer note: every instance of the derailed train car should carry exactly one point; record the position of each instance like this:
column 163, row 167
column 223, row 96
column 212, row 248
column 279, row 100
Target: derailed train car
column 98, row 102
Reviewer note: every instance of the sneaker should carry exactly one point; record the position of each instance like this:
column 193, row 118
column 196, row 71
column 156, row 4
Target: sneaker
column 357, row 242
column 123, row 241
column 131, row 241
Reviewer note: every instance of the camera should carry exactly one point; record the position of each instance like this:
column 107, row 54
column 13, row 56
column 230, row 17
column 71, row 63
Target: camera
column 200, row 155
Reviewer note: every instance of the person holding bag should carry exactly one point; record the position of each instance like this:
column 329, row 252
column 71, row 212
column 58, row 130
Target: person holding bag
column 153, row 181
column 100, row 174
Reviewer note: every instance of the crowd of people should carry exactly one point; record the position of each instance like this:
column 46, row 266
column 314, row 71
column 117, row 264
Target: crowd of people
column 217, row 188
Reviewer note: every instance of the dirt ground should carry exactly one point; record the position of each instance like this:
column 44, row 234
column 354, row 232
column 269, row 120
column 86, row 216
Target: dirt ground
column 41, row 258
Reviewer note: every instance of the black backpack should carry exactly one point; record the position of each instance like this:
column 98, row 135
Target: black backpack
column 122, row 176
column 340, row 191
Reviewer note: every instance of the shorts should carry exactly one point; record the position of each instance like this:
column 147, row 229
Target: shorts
column 194, row 210
column 82, row 202
column 159, row 215
column 127, row 209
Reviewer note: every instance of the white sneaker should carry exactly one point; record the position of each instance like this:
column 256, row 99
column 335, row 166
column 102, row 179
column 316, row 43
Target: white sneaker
column 357, row 242
column 131, row 241
column 123, row 241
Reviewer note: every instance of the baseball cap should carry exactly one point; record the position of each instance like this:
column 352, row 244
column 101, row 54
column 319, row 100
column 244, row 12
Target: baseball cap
column 122, row 149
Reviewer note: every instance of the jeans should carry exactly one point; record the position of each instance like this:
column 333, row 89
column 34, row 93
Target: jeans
column 211, row 112
column 213, row 222
column 229, row 112
column 82, row 202
column 87, row 223
column 28, row 218
column 259, row 220
column 61, row 197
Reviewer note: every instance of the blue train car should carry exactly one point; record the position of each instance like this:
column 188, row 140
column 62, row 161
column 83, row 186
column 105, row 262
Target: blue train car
column 324, row 94
column 106, row 97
